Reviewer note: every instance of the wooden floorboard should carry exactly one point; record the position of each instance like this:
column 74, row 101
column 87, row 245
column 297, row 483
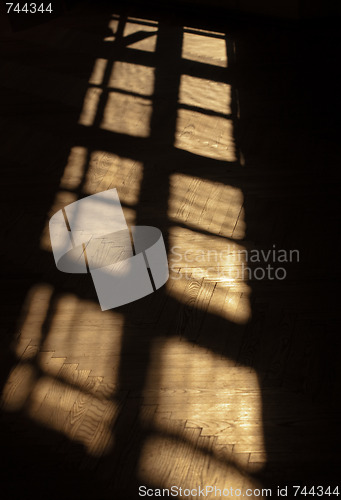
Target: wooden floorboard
column 224, row 139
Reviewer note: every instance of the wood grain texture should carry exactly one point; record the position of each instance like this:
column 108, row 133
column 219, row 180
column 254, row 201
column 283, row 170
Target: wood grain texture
column 220, row 134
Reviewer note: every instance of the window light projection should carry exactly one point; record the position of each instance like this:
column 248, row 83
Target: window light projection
column 204, row 125
column 206, row 226
column 113, row 25
column 75, row 167
column 107, row 170
column 62, row 199
column 97, row 75
column 204, row 47
column 208, row 223
column 201, row 204
column 132, row 78
column 140, row 34
column 53, row 391
column 213, row 286
column 206, row 94
column 232, row 414
column 90, row 106
column 205, row 135
column 31, row 323
column 127, row 114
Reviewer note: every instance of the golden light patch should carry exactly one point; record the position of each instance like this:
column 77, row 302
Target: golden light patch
column 90, row 106
column 34, row 314
column 74, row 170
column 205, row 135
column 201, row 204
column 82, row 417
column 107, row 170
column 205, row 49
column 140, row 36
column 62, row 199
column 132, row 78
column 98, row 71
column 206, row 94
column 232, row 412
column 18, row 387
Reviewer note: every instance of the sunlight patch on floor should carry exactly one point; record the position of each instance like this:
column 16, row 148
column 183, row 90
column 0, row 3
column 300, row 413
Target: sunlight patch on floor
column 108, row 170
column 64, row 342
column 62, row 199
column 205, row 407
column 132, row 78
column 113, row 25
column 204, row 245
column 127, row 114
column 210, row 206
column 140, row 36
column 169, row 463
column 206, row 94
column 70, row 351
column 98, row 71
column 205, row 135
column 33, row 316
column 90, row 106
column 203, row 48
column 75, row 167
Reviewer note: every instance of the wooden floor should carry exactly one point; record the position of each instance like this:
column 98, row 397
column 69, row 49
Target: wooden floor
column 223, row 136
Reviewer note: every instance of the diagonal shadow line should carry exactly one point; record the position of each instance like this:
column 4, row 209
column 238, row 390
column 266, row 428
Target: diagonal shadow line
column 138, row 36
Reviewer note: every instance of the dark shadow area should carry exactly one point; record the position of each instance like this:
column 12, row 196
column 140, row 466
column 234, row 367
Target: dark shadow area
column 283, row 95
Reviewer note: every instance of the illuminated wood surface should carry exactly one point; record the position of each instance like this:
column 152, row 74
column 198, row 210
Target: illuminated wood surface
column 208, row 132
